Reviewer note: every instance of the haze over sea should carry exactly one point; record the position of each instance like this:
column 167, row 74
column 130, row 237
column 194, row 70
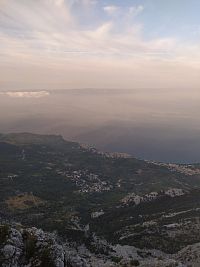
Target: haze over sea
column 153, row 124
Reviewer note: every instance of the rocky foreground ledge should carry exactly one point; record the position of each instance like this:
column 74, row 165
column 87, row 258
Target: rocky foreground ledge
column 22, row 247
column 32, row 247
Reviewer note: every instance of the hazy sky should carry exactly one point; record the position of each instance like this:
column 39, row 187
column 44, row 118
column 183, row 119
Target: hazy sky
column 61, row 44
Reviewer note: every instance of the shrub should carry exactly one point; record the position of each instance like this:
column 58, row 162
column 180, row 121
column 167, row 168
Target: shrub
column 4, row 232
column 46, row 260
column 29, row 244
column 116, row 259
column 134, row 263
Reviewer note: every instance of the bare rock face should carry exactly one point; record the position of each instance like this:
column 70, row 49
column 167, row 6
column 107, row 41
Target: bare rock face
column 58, row 255
column 9, row 252
column 30, row 247
column 12, row 251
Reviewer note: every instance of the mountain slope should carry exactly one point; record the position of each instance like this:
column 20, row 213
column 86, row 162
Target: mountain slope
column 53, row 184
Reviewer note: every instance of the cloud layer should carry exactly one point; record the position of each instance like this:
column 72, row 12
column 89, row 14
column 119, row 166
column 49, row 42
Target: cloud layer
column 83, row 43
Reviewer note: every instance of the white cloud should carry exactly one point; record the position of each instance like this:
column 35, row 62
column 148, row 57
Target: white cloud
column 53, row 32
column 135, row 10
column 89, row 2
column 56, row 2
column 111, row 10
column 86, row 3
column 44, row 44
column 28, row 94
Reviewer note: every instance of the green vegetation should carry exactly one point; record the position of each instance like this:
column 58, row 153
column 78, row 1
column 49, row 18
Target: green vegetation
column 134, row 263
column 4, row 232
column 56, row 185
column 29, row 244
column 46, row 259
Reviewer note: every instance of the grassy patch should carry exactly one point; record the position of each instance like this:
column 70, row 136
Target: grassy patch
column 23, row 201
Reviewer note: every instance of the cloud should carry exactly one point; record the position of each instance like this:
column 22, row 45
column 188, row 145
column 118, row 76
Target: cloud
column 84, row 3
column 111, row 10
column 89, row 2
column 49, row 29
column 49, row 44
column 135, row 10
column 56, row 2
column 27, row 94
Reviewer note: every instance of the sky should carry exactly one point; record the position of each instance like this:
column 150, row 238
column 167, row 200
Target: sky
column 125, row 44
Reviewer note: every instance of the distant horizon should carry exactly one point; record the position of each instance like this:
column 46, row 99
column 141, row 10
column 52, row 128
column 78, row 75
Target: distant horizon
column 121, row 75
